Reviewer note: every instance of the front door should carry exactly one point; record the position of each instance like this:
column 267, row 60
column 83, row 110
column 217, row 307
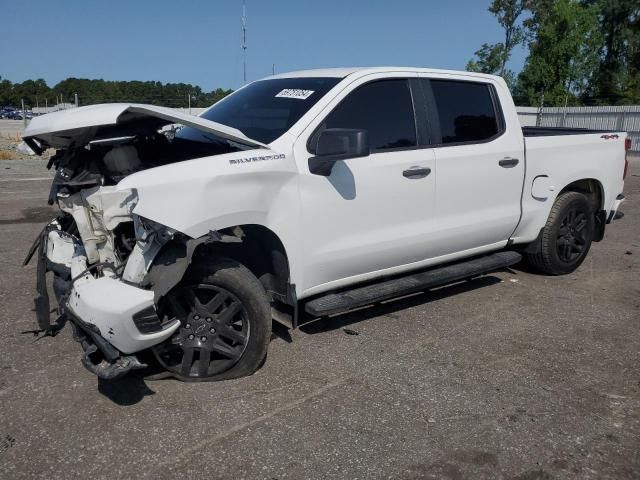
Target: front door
column 372, row 213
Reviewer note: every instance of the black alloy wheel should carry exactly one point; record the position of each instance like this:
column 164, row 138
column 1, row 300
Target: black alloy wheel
column 572, row 235
column 213, row 334
column 566, row 238
column 225, row 323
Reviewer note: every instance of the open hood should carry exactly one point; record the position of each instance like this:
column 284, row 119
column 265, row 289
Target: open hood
column 79, row 126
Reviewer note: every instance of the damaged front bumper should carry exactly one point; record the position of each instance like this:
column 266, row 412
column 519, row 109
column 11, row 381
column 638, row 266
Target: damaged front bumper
column 124, row 315
column 114, row 320
column 113, row 317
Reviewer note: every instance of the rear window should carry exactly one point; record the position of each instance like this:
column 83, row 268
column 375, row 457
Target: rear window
column 466, row 111
column 265, row 109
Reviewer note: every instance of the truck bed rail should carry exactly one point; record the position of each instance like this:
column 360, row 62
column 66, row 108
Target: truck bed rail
column 555, row 131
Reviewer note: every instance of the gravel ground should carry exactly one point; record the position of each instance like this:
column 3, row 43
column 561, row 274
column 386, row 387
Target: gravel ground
column 514, row 376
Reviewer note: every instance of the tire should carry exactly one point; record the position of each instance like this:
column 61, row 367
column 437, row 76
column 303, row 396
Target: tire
column 226, row 324
column 566, row 238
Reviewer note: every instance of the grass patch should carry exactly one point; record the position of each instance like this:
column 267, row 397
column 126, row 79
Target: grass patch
column 7, row 155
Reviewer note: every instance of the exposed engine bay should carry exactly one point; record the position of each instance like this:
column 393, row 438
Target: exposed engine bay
column 99, row 252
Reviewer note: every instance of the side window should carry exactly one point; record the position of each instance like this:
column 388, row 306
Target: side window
column 466, row 111
column 384, row 108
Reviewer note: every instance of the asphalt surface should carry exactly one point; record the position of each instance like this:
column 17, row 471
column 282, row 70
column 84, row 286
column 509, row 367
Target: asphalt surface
column 514, row 376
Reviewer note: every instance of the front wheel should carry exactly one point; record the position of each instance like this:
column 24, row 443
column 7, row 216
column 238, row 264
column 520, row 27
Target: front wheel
column 566, row 237
column 225, row 324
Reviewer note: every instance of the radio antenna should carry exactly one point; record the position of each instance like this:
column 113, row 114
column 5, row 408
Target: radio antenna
column 244, row 41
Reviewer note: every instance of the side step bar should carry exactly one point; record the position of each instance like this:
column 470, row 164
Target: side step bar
column 358, row 297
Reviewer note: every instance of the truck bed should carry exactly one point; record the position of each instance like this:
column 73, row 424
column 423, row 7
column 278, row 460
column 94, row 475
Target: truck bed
column 557, row 157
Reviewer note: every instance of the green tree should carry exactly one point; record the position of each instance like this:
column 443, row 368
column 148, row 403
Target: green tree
column 564, row 40
column 101, row 91
column 616, row 80
column 6, row 92
column 493, row 58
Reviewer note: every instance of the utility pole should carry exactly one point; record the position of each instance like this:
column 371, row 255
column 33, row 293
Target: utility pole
column 273, row 69
column 539, row 117
column 244, row 42
column 76, row 98
column 189, row 95
column 24, row 113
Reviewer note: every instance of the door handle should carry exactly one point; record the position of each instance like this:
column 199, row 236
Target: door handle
column 508, row 162
column 416, row 172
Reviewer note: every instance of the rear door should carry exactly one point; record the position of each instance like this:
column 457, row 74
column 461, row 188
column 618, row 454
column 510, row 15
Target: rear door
column 480, row 167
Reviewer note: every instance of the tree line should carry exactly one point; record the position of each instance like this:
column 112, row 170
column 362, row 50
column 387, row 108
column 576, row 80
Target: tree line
column 38, row 93
column 580, row 52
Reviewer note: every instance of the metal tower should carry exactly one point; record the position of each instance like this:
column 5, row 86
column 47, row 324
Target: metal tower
column 244, row 42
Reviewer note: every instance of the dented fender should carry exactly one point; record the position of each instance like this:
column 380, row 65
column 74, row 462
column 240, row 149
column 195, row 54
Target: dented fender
column 252, row 187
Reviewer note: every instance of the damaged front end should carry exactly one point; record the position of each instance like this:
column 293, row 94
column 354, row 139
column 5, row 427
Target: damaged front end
column 97, row 250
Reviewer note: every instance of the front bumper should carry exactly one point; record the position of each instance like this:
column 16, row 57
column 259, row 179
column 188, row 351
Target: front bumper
column 112, row 318
column 118, row 311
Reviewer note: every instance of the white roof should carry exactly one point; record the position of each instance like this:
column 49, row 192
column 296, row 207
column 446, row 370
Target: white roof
column 343, row 72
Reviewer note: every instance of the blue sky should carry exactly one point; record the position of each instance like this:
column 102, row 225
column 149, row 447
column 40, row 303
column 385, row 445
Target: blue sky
column 198, row 41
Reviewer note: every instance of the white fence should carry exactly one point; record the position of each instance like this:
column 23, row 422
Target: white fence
column 623, row 118
column 52, row 108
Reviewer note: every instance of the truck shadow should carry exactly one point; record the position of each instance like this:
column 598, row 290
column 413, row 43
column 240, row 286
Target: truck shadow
column 312, row 325
column 133, row 388
column 125, row 391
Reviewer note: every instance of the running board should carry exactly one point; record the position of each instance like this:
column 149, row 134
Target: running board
column 358, row 297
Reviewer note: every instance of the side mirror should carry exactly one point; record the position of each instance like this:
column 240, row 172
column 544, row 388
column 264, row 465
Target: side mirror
column 338, row 144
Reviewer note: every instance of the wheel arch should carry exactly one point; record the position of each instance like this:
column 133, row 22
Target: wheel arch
column 591, row 188
column 594, row 191
column 255, row 246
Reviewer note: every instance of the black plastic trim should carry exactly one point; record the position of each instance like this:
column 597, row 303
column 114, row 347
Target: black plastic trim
column 147, row 320
column 421, row 115
column 384, row 290
column 601, row 223
column 111, row 354
column 415, row 173
column 557, row 131
column 508, row 162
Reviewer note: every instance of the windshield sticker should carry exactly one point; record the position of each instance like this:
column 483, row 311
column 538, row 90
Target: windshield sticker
column 295, row 93
column 239, row 161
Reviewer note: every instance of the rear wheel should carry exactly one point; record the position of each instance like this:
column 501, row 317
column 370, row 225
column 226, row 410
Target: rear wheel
column 566, row 237
column 225, row 324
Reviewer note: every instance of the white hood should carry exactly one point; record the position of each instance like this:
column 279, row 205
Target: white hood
column 78, row 126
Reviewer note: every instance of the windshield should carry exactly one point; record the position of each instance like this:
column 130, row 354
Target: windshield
column 264, row 110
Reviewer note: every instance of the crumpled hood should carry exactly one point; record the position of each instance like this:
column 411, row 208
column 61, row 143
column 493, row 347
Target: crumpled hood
column 79, row 126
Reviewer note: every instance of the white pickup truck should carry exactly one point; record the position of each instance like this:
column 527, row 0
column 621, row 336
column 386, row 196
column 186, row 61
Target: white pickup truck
column 307, row 193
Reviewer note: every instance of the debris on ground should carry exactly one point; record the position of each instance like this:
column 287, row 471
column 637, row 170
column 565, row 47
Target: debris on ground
column 348, row 331
column 24, row 148
column 15, row 149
